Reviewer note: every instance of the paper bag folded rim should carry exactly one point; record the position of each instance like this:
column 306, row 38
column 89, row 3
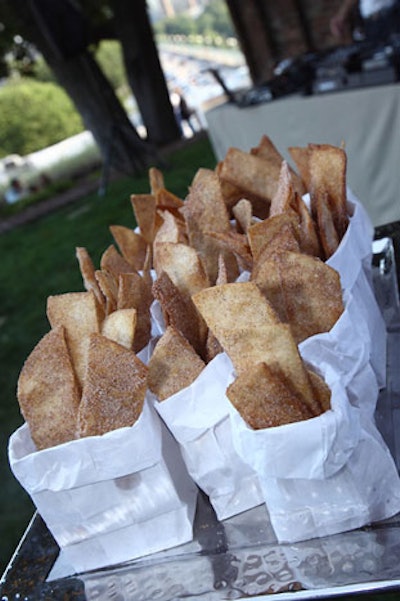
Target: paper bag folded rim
column 82, row 461
column 95, row 492
column 313, row 448
column 198, row 418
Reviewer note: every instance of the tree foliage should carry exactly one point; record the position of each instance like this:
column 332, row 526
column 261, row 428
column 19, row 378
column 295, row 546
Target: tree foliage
column 34, row 115
column 214, row 20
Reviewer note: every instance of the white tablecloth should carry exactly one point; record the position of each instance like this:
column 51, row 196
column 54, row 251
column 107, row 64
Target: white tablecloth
column 366, row 120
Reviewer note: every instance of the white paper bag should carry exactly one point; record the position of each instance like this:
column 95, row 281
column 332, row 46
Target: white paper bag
column 321, row 476
column 353, row 261
column 198, row 417
column 107, row 499
column 346, row 348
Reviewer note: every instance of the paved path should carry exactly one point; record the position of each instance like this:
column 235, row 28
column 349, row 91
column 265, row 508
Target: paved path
column 82, row 188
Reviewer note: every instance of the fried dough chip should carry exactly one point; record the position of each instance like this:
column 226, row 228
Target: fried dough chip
column 232, row 310
column 266, row 274
column 144, row 208
column 266, row 149
column 283, row 240
column 263, row 399
column 132, row 245
column 313, row 294
column 167, row 200
column 284, row 198
column 305, row 291
column 255, row 176
column 120, row 326
column 307, row 230
column 114, row 390
column 243, row 213
column 134, row 292
column 235, row 243
column 88, row 270
column 326, row 229
column 274, row 345
column 262, row 232
column 301, row 158
column 48, row 392
column 174, row 365
column 234, row 306
column 171, row 230
column 108, row 284
column 180, row 311
column 321, row 390
column 78, row 313
column 113, row 262
column 184, row 267
column 156, row 179
column 205, row 211
column 327, row 166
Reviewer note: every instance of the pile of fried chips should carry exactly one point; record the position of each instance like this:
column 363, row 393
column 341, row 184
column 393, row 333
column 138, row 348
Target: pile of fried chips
column 247, row 216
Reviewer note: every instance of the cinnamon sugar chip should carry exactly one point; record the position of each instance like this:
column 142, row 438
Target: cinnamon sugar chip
column 79, row 313
column 48, row 392
column 114, row 389
column 174, row 364
column 263, row 399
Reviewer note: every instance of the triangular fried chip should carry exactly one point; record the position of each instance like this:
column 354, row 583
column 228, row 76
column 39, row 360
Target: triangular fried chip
column 48, row 392
column 132, row 245
column 301, row 157
column 284, row 198
column 274, row 345
column 230, row 310
column 205, row 210
column 87, row 270
column 174, row 365
column 283, row 240
column 183, row 265
column 255, row 176
column 326, row 229
column 113, row 262
column 236, row 244
column 312, row 294
column 266, row 149
column 144, row 208
column 120, row 326
column 108, row 284
column 156, row 179
column 180, row 311
column 327, row 166
column 114, row 389
column 243, row 213
column 260, row 233
column 263, row 399
column 78, row 313
column 168, row 200
column 134, row 292
column 307, row 230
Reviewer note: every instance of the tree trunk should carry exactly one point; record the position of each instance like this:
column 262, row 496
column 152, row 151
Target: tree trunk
column 144, row 71
column 76, row 70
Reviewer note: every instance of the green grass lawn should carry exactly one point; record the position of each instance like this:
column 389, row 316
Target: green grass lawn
column 38, row 260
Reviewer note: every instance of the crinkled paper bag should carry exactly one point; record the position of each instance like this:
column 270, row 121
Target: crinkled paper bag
column 346, row 348
column 108, row 499
column 355, row 248
column 322, row 476
column 353, row 261
column 198, row 417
